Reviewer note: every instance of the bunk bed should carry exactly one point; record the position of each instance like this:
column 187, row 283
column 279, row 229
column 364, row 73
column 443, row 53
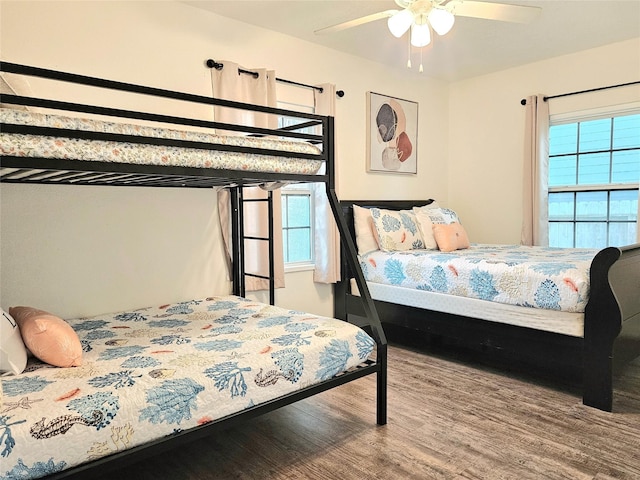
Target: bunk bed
column 596, row 342
column 249, row 358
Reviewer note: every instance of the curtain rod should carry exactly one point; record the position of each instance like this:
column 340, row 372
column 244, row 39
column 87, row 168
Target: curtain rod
column 218, row 66
column 524, row 100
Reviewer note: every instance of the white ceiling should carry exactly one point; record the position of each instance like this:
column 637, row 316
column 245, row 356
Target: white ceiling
column 473, row 47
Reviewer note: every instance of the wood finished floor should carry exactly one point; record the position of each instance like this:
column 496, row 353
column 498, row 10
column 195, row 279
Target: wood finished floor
column 448, row 419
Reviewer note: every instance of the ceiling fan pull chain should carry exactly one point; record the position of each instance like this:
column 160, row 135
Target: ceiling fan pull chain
column 421, row 69
column 408, row 51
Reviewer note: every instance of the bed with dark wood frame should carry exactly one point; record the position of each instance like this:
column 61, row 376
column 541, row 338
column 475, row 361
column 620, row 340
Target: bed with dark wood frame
column 611, row 320
column 34, row 170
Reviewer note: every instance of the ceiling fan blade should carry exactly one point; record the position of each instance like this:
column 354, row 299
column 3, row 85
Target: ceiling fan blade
column 356, row 22
column 494, row 11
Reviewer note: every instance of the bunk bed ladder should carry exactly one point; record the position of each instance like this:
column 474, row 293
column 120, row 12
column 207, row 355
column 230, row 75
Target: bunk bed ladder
column 238, row 236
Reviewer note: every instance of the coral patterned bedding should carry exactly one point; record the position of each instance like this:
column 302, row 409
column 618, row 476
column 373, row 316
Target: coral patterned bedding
column 537, row 277
column 137, row 153
column 149, row 373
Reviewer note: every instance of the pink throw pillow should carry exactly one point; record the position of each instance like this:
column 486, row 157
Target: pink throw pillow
column 48, row 337
column 450, row 237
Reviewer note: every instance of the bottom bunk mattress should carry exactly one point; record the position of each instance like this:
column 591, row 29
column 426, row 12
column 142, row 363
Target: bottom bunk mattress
column 152, row 372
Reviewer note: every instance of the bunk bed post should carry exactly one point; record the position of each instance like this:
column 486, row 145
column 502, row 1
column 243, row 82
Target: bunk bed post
column 352, row 258
column 369, row 308
column 272, row 268
column 236, row 239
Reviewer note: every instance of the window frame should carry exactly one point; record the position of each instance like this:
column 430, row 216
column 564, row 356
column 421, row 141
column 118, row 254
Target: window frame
column 575, row 189
column 306, row 190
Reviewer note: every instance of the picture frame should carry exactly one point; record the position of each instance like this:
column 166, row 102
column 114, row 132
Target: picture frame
column 392, row 134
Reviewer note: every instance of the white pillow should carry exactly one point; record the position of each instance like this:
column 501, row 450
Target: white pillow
column 397, row 230
column 366, row 234
column 366, row 240
column 423, row 218
column 13, row 353
column 443, row 216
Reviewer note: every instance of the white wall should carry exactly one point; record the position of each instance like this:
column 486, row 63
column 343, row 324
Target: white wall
column 486, row 129
column 79, row 250
column 86, row 250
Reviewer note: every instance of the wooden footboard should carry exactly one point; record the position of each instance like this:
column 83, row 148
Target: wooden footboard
column 612, row 321
column 612, row 318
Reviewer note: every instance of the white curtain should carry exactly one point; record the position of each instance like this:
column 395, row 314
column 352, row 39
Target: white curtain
column 535, row 227
column 327, row 237
column 229, row 84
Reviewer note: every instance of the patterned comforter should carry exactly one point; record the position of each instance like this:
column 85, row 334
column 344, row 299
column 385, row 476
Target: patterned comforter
column 136, row 153
column 149, row 373
column 538, row 277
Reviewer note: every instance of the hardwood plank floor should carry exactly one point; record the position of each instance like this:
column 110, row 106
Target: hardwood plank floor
column 449, row 418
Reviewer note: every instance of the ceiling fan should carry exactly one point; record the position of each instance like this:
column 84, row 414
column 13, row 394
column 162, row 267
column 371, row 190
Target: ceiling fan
column 423, row 15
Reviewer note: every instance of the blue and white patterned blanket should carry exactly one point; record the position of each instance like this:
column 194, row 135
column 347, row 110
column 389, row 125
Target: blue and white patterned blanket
column 23, row 145
column 538, row 277
column 149, row 373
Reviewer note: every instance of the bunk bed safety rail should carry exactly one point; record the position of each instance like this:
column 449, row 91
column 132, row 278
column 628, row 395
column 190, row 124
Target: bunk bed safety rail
column 296, row 151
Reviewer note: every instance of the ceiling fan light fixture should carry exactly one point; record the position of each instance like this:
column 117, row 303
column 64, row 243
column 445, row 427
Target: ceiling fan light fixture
column 441, row 20
column 400, row 22
column 420, row 35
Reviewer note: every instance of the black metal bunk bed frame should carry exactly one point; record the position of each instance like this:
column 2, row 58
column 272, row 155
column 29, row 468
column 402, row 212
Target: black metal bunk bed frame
column 37, row 170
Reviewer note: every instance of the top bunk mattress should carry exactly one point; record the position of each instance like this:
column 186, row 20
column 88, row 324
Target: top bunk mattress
column 133, row 152
column 537, row 277
column 153, row 372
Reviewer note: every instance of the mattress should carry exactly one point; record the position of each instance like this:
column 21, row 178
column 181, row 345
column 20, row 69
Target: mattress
column 149, row 373
column 566, row 323
column 535, row 277
column 144, row 154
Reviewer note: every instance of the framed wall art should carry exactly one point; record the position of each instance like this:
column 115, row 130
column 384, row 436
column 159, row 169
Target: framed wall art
column 392, row 134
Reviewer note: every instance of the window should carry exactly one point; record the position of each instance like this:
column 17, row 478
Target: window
column 297, row 224
column 594, row 172
column 297, row 208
